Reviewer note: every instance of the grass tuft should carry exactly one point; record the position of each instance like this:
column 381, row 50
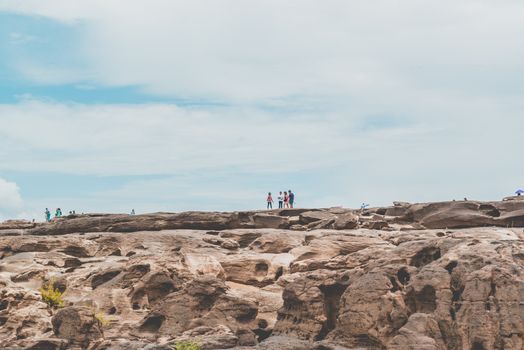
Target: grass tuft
column 50, row 295
column 186, row 345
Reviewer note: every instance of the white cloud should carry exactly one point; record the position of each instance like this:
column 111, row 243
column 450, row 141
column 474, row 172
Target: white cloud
column 21, row 38
column 10, row 199
column 463, row 147
column 9, row 195
column 301, row 83
column 166, row 139
column 260, row 50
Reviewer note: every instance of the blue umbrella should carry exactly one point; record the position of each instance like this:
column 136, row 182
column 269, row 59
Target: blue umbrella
column 519, row 191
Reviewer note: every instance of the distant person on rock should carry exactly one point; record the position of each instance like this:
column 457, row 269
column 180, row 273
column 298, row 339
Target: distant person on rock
column 291, row 199
column 280, row 200
column 47, row 215
column 269, row 201
column 58, row 213
column 286, row 200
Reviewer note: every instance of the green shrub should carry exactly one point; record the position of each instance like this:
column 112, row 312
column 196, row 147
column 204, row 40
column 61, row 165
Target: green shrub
column 50, row 295
column 186, row 345
column 101, row 317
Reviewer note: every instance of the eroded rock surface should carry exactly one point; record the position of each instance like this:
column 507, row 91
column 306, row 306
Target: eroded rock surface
column 443, row 276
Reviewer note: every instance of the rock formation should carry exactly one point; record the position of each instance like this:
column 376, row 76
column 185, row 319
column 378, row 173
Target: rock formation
column 437, row 276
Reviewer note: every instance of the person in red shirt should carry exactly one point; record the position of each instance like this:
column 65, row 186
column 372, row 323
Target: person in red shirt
column 269, row 201
column 286, row 200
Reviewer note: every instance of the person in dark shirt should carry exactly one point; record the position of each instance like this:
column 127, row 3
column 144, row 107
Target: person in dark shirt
column 291, row 199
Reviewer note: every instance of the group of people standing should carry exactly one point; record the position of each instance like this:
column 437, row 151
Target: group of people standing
column 58, row 214
column 286, row 199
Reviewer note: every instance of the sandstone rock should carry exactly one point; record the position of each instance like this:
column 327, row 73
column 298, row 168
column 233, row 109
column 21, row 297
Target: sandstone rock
column 229, row 244
column 147, row 222
column 16, row 224
column 291, row 212
column 23, row 315
column 512, row 219
column 314, row 216
column 270, row 221
column 364, row 310
column 78, row 325
column 232, row 285
column 419, row 333
column 255, row 269
column 278, row 241
column 376, row 224
column 455, row 214
column 458, row 214
column 243, row 237
column 46, row 344
column 204, row 264
column 210, row 338
column 203, row 302
column 346, row 221
column 321, row 224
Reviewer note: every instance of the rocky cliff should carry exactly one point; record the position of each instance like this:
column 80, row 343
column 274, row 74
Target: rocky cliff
column 411, row 276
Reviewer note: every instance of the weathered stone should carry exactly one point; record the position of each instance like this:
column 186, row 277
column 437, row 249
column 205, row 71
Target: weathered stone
column 77, row 325
column 270, row 221
column 209, row 338
column 346, row 221
column 216, row 278
column 314, row 216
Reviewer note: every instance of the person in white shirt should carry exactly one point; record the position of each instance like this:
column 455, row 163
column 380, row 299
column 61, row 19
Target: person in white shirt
column 280, row 200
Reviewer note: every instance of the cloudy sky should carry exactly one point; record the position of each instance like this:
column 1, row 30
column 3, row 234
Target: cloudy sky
column 109, row 105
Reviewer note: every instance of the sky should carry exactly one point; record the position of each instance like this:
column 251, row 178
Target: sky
column 167, row 105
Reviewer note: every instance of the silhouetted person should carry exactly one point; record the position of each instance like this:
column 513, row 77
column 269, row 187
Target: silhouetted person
column 291, row 199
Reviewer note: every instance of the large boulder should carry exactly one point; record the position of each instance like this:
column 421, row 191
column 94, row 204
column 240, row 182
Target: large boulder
column 270, row 221
column 210, row 338
column 78, row 325
column 346, row 221
column 203, row 302
column 314, row 216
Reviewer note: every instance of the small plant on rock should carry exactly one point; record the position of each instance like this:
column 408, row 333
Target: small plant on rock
column 101, row 317
column 51, row 295
column 186, row 345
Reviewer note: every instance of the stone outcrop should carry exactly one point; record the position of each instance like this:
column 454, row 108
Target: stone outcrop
column 77, row 325
column 442, row 215
column 439, row 276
